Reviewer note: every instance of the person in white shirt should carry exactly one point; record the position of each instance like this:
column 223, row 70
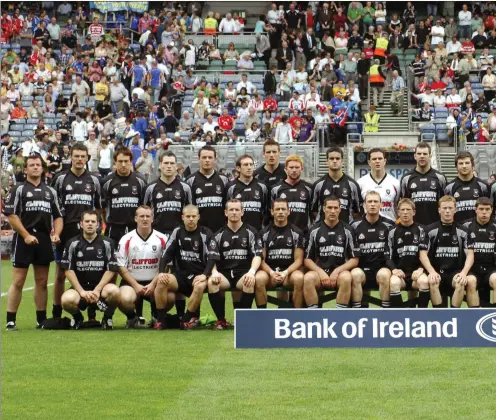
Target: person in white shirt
column 464, row 22
column 485, row 60
column 284, row 132
column 453, row 99
column 245, row 83
column 453, row 46
column 428, row 96
column 227, row 25
column 81, row 89
column 200, row 105
column 437, row 33
column 79, row 128
column 489, row 84
column 209, row 125
column 439, row 99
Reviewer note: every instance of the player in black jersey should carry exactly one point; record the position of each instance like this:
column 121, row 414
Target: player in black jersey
column 330, row 256
column 450, row 258
column 483, row 232
column 405, row 242
column 297, row 192
column 272, row 172
column 122, row 193
column 194, row 252
column 337, row 184
column 424, row 185
column 208, row 189
column 370, row 238
column 30, row 207
column 251, row 192
column 78, row 191
column 466, row 187
column 167, row 196
column 90, row 266
column 240, row 252
column 283, row 250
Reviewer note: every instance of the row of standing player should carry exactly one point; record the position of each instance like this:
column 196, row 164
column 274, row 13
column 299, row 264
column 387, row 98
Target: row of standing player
column 124, row 190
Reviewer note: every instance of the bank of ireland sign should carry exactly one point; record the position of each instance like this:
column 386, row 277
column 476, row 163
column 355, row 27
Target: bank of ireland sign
column 396, row 328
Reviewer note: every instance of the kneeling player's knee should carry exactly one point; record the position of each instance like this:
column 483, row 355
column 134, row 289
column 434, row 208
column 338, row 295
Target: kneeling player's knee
column 471, row 283
column 70, row 300
column 200, row 287
column 492, row 281
column 395, row 283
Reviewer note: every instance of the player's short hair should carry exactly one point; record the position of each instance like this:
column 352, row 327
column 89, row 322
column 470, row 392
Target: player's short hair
column 238, row 162
column 233, row 201
column 90, row 213
column 294, row 158
column 208, row 149
column 80, row 147
column 446, row 199
column 407, row 201
column 123, row 151
column 423, row 145
column 373, row 193
column 331, row 198
column 280, row 200
column 143, row 207
column 33, row 157
column 271, row 142
column 483, row 201
column 168, row 154
column 334, row 149
column 190, row 207
column 464, row 155
column 377, row 150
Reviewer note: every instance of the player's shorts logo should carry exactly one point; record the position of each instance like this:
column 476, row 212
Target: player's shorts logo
column 134, row 189
column 99, row 253
column 303, row 196
column 256, row 194
column 486, row 327
column 244, row 242
column 196, row 245
column 382, row 234
column 87, row 188
column 218, row 189
column 433, row 185
column 339, row 239
column 177, row 194
column 154, row 248
column 413, row 185
column 115, row 191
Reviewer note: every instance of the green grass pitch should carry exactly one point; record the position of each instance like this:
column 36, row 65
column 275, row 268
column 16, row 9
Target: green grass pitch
column 129, row 374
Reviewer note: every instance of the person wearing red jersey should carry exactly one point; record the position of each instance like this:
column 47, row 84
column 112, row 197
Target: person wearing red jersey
column 294, row 119
column 225, row 121
column 270, row 103
column 96, row 30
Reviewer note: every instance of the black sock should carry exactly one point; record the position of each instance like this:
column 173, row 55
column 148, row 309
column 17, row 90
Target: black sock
column 356, row 305
column 109, row 313
column 91, row 312
column 187, row 316
column 237, row 305
column 131, row 315
column 78, row 316
column 365, row 304
column 424, row 297
column 386, row 304
column 218, row 303
column 319, row 305
column 57, row 311
column 161, row 314
column 395, row 299
column 40, row 316
column 246, row 300
column 196, row 314
column 11, row 316
column 264, row 306
column 438, row 306
column 139, row 306
column 153, row 309
column 180, row 307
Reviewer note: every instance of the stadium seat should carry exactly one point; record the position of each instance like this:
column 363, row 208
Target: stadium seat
column 441, row 132
column 474, row 78
column 428, row 132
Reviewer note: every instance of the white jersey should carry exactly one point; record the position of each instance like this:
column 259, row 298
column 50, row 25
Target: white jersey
column 141, row 256
column 389, row 190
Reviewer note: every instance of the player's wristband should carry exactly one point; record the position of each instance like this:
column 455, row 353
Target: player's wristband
column 252, row 272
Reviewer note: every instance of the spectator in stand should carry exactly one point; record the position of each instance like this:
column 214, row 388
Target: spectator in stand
column 454, row 45
column 245, row 62
column 464, row 22
column 284, row 132
column 489, row 84
column 479, row 39
column 482, row 103
column 453, row 100
column 439, row 99
column 467, row 46
column 437, row 33
column 453, row 124
column 491, row 121
column 253, row 134
column 426, row 113
column 228, row 24
column 398, row 89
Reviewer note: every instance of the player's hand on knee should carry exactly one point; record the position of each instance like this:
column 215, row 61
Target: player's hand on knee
column 86, row 296
column 199, row 279
column 55, row 239
column 248, row 280
column 325, row 281
column 435, row 278
column 95, row 295
column 399, row 273
column 149, row 289
column 417, row 273
column 163, row 278
column 215, row 277
column 31, row 240
column 139, row 289
column 461, row 278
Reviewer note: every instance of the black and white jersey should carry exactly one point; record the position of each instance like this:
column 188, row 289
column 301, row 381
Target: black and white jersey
column 404, row 246
column 237, row 249
column 447, row 246
column 466, row 194
column 330, row 247
column 190, row 252
column 167, row 202
column 424, row 190
column 389, row 190
column 77, row 194
column 270, row 178
column 122, row 195
column 255, row 199
column 209, row 195
column 371, row 238
column 484, row 239
column 279, row 244
column 299, row 198
column 35, row 205
column 89, row 260
column 346, row 189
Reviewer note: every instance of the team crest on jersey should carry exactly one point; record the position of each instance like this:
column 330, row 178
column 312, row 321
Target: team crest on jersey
column 399, row 241
column 491, row 236
column 212, row 244
column 476, row 193
column 289, row 241
column 472, row 235
column 198, row 191
column 238, row 196
column 382, row 234
column 339, row 239
column 244, row 242
column 134, row 189
column 177, row 194
column 80, row 254
column 362, row 236
column 218, row 189
column 259, row 242
column 196, row 245
column 322, row 240
column 326, row 192
column 68, row 188
column 47, row 195
column 413, row 185
column 226, row 244
column 283, row 196
column 154, row 248
column 115, row 191
column 303, row 196
column 87, row 188
column 456, row 195
column 7, row 198
column 99, row 253
column 454, row 239
column 433, row 185
column 159, row 195
column 344, row 192
column 415, row 238
column 29, row 194
column 388, row 192
column 256, row 194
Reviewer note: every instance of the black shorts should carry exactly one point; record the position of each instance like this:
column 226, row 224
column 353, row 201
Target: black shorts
column 25, row 255
column 116, row 232
column 233, row 276
column 184, row 283
column 446, row 283
column 483, row 274
column 370, row 278
column 142, row 283
column 69, row 231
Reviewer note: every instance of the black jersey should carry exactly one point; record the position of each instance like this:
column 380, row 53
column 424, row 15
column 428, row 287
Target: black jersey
column 370, row 239
column 77, row 194
column 209, row 195
column 255, row 199
column 346, row 189
column 331, row 247
column 280, row 243
column 425, row 190
column 35, row 205
column 191, row 252
column 299, row 198
column 237, row 249
column 447, row 246
column 484, row 238
column 404, row 246
column 167, row 202
column 270, row 178
column 466, row 194
column 89, row 260
column 122, row 195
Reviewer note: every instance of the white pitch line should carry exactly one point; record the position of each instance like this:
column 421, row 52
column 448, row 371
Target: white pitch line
column 26, row 289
